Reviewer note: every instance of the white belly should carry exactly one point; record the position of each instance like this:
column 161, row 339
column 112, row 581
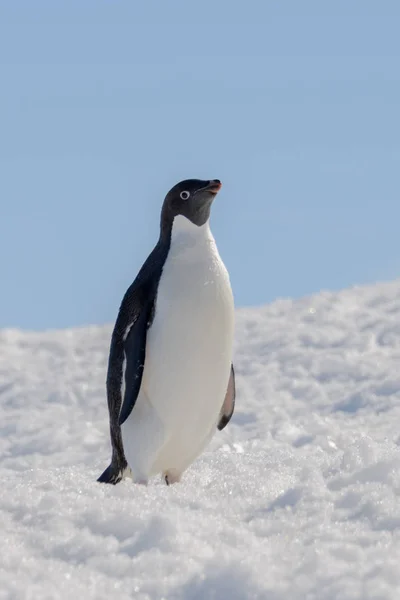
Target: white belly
column 189, row 349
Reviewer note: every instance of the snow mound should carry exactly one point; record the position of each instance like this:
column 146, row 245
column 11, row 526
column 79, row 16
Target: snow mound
column 298, row 498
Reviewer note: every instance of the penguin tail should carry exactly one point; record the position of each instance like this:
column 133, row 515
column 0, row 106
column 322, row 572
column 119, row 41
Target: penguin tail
column 114, row 474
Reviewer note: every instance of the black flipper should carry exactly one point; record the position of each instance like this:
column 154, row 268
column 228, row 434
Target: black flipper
column 135, row 351
column 228, row 406
column 129, row 341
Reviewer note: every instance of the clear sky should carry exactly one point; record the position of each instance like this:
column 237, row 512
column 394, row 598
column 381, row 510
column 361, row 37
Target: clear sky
column 294, row 105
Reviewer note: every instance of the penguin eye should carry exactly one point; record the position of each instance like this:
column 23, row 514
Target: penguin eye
column 184, row 195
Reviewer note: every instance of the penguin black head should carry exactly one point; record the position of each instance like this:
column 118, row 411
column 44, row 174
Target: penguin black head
column 191, row 198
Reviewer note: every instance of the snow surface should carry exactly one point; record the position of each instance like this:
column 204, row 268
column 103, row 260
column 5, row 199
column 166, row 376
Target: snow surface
column 298, row 498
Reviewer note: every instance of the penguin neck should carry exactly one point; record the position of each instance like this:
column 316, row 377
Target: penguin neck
column 184, row 232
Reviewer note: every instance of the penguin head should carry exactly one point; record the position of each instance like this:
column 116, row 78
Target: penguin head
column 191, row 198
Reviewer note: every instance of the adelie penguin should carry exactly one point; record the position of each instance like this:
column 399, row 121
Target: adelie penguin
column 170, row 380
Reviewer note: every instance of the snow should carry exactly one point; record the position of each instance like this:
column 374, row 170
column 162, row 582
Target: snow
column 298, row 498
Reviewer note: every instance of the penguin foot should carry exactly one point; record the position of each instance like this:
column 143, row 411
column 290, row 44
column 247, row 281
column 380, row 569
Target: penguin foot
column 114, row 474
column 171, row 477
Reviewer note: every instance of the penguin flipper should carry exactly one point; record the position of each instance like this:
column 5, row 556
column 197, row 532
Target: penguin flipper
column 228, row 405
column 135, row 352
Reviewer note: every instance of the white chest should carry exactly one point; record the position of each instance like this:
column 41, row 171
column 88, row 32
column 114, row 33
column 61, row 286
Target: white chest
column 189, row 345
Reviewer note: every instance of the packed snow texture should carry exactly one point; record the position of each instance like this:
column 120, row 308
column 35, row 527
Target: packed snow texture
column 298, row 498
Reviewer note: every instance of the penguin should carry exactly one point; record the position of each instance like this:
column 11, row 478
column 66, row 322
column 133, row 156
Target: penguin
column 170, row 378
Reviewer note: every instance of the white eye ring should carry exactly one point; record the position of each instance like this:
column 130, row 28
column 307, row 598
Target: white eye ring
column 184, row 195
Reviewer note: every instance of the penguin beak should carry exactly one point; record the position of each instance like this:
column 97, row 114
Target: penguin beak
column 213, row 186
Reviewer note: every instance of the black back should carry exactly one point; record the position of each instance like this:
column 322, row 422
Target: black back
column 128, row 341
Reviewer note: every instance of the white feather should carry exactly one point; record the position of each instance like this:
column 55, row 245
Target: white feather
column 188, row 357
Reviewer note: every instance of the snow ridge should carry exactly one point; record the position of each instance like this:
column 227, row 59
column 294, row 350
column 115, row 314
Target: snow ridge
column 298, row 498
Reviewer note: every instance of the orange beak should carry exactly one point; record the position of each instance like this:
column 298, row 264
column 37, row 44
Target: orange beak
column 214, row 186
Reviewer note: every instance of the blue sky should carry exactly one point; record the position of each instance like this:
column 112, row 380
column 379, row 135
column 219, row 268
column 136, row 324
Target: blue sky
column 105, row 105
